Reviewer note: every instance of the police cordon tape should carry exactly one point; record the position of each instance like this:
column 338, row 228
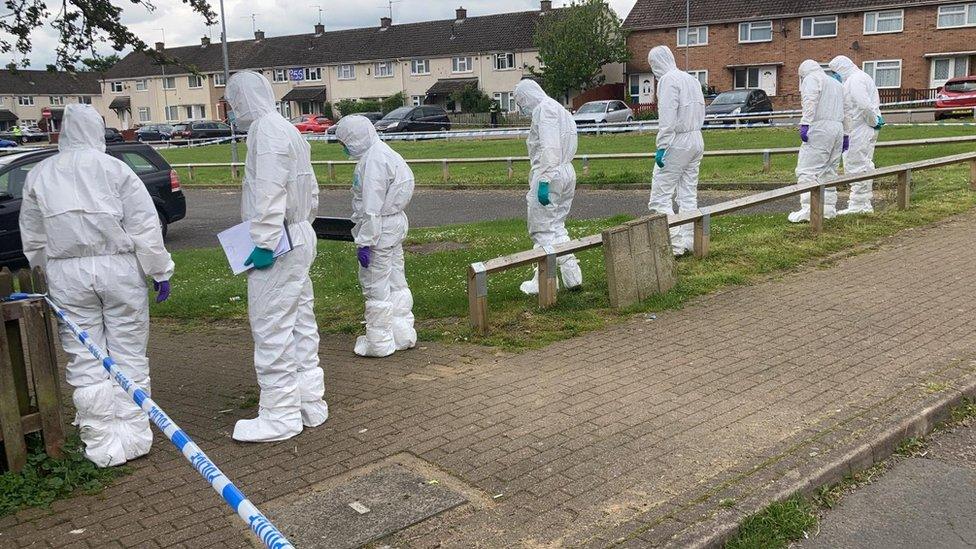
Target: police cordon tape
column 255, row 519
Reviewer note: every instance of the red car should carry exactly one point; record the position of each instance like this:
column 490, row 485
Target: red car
column 312, row 123
column 958, row 94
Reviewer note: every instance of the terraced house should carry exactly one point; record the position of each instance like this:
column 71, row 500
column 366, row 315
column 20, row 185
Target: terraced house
column 426, row 61
column 24, row 94
column 909, row 47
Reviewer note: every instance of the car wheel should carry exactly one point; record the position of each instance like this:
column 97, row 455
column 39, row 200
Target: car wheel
column 24, row 140
column 163, row 224
column 630, row 119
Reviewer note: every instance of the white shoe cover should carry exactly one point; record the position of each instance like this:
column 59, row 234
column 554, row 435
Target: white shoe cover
column 378, row 341
column 830, row 213
column 314, row 413
column 531, row 286
column 262, row 429
column 364, row 347
column 95, row 418
column 856, row 210
column 800, row 216
column 572, row 274
column 404, row 334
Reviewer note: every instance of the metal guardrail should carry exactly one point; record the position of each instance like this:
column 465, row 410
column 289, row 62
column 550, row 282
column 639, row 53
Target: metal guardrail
column 701, row 218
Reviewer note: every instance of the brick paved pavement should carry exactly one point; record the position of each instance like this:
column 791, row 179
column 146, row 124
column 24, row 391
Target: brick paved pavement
column 629, row 435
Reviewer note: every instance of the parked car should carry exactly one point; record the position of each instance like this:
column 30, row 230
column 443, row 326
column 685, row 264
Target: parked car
column 5, row 144
column 29, row 134
column 113, row 135
column 312, row 123
column 373, row 117
column 425, row 118
column 154, row 132
column 735, row 102
column 603, row 112
column 958, row 94
column 161, row 181
column 200, row 129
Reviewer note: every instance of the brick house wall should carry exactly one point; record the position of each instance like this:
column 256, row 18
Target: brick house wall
column 787, row 50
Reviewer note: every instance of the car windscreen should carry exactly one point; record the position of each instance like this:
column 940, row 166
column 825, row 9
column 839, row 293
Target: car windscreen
column 731, row 98
column 398, row 114
column 180, row 127
column 963, row 86
column 590, row 108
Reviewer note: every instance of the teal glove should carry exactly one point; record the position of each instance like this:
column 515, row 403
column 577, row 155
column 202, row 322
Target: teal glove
column 544, row 193
column 260, row 258
column 659, row 158
column 879, row 123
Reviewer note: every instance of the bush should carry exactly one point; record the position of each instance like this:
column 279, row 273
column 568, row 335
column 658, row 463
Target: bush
column 328, row 112
column 393, row 102
column 472, row 99
column 353, row 106
column 647, row 115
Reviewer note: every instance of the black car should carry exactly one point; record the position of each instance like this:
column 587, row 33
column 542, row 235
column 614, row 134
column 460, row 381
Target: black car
column 161, row 181
column 154, row 132
column 113, row 135
column 737, row 102
column 425, row 118
column 373, row 117
column 200, row 129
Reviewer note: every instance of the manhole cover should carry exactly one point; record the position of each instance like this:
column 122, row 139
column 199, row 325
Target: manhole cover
column 366, row 508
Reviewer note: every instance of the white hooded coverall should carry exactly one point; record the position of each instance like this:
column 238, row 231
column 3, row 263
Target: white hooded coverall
column 279, row 189
column 863, row 107
column 681, row 114
column 382, row 187
column 552, row 145
column 88, row 219
column 822, row 100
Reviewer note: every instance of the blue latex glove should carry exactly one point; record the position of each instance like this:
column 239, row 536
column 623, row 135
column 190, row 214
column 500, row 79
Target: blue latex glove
column 543, row 193
column 847, row 143
column 260, row 258
column 659, row 157
column 162, row 290
column 804, row 132
column 364, row 254
column 879, row 123
column 345, row 151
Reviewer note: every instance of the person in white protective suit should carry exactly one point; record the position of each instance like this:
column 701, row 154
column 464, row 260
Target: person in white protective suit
column 864, row 111
column 681, row 114
column 89, row 221
column 280, row 190
column 552, row 178
column 824, row 131
column 381, row 189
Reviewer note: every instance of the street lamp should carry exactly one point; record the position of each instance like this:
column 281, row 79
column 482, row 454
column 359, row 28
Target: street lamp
column 233, row 124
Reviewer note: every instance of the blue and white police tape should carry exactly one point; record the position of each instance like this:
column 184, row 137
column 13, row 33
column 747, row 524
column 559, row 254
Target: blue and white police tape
column 256, row 520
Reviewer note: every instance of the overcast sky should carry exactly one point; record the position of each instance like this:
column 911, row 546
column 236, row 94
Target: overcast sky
column 280, row 17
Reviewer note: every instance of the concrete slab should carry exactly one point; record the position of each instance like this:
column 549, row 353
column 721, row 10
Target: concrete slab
column 364, row 509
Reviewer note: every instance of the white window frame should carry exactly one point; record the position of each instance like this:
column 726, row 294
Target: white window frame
column 218, row 80
column 313, row 74
column 279, row 75
column 953, row 61
column 416, row 100
column 818, row 20
column 456, row 63
column 886, row 15
column 346, row 72
column 144, row 111
column 116, row 87
column 696, row 32
column 25, row 100
column 697, row 74
column 27, row 122
column 284, row 108
column 386, row 72
column 167, row 80
column 750, row 27
column 175, row 110
column 190, row 79
column 193, row 110
column 85, row 99
column 142, row 85
column 509, row 61
column 56, row 100
column 511, row 106
column 968, row 12
column 417, row 64
column 874, row 67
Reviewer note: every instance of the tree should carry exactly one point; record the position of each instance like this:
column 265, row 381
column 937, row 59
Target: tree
column 393, row 102
column 574, row 44
column 81, row 26
column 99, row 63
column 472, row 99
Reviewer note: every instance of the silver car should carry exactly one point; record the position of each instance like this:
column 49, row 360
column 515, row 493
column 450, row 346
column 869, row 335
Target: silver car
column 603, row 112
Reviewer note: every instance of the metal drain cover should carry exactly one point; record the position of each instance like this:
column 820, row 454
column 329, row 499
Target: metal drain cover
column 364, row 509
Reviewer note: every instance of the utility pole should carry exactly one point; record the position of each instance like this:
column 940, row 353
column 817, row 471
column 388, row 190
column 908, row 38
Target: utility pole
column 223, row 42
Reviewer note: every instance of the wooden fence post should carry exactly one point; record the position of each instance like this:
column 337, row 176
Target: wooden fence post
column 189, row 173
column 332, row 173
column 703, row 228
column 586, row 166
column 817, row 209
column 44, row 366
column 14, row 445
column 445, row 170
column 16, row 347
column 511, row 170
column 904, row 189
column 478, row 297
column 767, row 161
column 547, row 278
column 972, row 174
column 234, row 173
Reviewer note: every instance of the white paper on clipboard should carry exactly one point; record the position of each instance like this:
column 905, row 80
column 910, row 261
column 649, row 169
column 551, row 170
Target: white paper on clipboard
column 237, row 244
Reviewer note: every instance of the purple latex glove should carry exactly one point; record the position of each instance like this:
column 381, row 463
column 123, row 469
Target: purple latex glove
column 804, row 131
column 162, row 290
column 364, row 254
column 847, row 143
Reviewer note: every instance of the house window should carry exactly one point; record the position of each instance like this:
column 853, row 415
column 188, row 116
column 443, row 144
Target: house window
column 141, row 85
column 26, row 100
column 57, row 100
column 346, row 72
column 194, row 81
column 504, row 61
column 701, row 75
column 944, row 68
column 756, row 31
column 882, row 22
column 746, row 77
column 957, row 15
column 172, row 113
column 310, row 107
column 280, row 75
column 27, row 122
column 886, row 74
column 144, row 114
column 218, row 80
column 196, row 112
column 693, row 36
column 169, row 83
column 313, row 74
column 818, row 27
column 383, row 69
column 83, row 99
column 116, row 87
column 416, row 100
column 506, row 100
column 461, row 64
column 633, row 85
column 420, row 66
column 284, row 108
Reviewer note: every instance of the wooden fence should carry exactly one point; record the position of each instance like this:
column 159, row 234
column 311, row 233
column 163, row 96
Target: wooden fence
column 701, row 218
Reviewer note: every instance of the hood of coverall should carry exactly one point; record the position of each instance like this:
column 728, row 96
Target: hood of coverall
column 250, row 95
column 809, row 67
column 661, row 60
column 843, row 66
column 357, row 133
column 529, row 95
column 82, row 128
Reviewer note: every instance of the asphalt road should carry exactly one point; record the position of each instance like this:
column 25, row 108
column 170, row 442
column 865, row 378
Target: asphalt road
column 210, row 211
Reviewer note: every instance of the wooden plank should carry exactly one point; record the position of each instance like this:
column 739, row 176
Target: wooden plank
column 40, row 280
column 10, row 422
column 904, row 189
column 24, row 282
column 477, row 304
column 6, row 282
column 547, row 282
column 17, row 359
column 817, row 210
column 31, row 423
column 46, row 377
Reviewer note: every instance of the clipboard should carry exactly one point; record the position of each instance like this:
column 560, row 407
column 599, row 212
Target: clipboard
column 237, row 244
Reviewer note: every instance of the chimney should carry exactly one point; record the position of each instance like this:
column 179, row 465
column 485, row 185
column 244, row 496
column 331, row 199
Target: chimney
column 319, row 29
column 205, row 41
column 461, row 14
column 385, row 22
column 545, row 5
column 258, row 36
column 160, row 46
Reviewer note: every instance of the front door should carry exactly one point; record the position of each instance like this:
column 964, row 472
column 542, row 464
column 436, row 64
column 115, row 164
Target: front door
column 944, row 68
column 646, row 89
column 767, row 80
